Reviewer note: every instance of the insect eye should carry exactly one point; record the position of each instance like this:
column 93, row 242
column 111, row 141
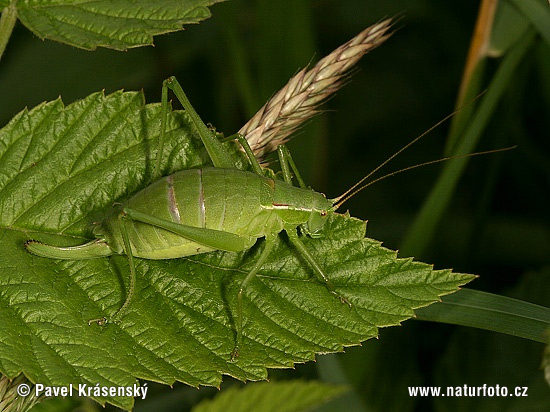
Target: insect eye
column 323, row 213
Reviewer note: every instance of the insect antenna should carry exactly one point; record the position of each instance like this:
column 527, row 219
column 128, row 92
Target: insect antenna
column 385, row 162
column 352, row 190
column 340, row 200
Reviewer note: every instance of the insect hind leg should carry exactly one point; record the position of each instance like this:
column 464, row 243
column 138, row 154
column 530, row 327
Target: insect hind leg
column 131, row 285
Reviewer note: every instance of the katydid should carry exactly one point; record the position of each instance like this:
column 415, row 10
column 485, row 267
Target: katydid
column 201, row 210
column 215, row 208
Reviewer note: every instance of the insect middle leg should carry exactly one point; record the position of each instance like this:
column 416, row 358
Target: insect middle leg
column 209, row 237
column 269, row 243
column 285, row 158
column 215, row 239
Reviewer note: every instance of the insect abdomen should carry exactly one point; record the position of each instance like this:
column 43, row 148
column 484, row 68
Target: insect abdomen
column 222, row 199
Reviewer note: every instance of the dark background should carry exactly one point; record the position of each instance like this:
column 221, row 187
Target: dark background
column 498, row 224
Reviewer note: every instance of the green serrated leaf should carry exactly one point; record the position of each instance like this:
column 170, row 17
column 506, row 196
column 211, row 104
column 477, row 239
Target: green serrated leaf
column 293, row 396
column 62, row 168
column 116, row 24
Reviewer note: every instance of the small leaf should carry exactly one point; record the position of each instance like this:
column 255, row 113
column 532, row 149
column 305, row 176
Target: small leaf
column 116, row 24
column 62, row 168
column 293, row 396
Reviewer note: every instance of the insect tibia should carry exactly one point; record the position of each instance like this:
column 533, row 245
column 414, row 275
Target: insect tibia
column 94, row 249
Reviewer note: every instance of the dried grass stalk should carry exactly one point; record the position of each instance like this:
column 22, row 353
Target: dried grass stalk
column 13, row 398
column 299, row 99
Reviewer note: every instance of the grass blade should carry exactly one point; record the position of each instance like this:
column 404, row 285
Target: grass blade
column 484, row 310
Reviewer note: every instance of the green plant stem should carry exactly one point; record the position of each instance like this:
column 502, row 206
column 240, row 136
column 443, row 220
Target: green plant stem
column 7, row 22
column 484, row 310
column 425, row 224
column 537, row 14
